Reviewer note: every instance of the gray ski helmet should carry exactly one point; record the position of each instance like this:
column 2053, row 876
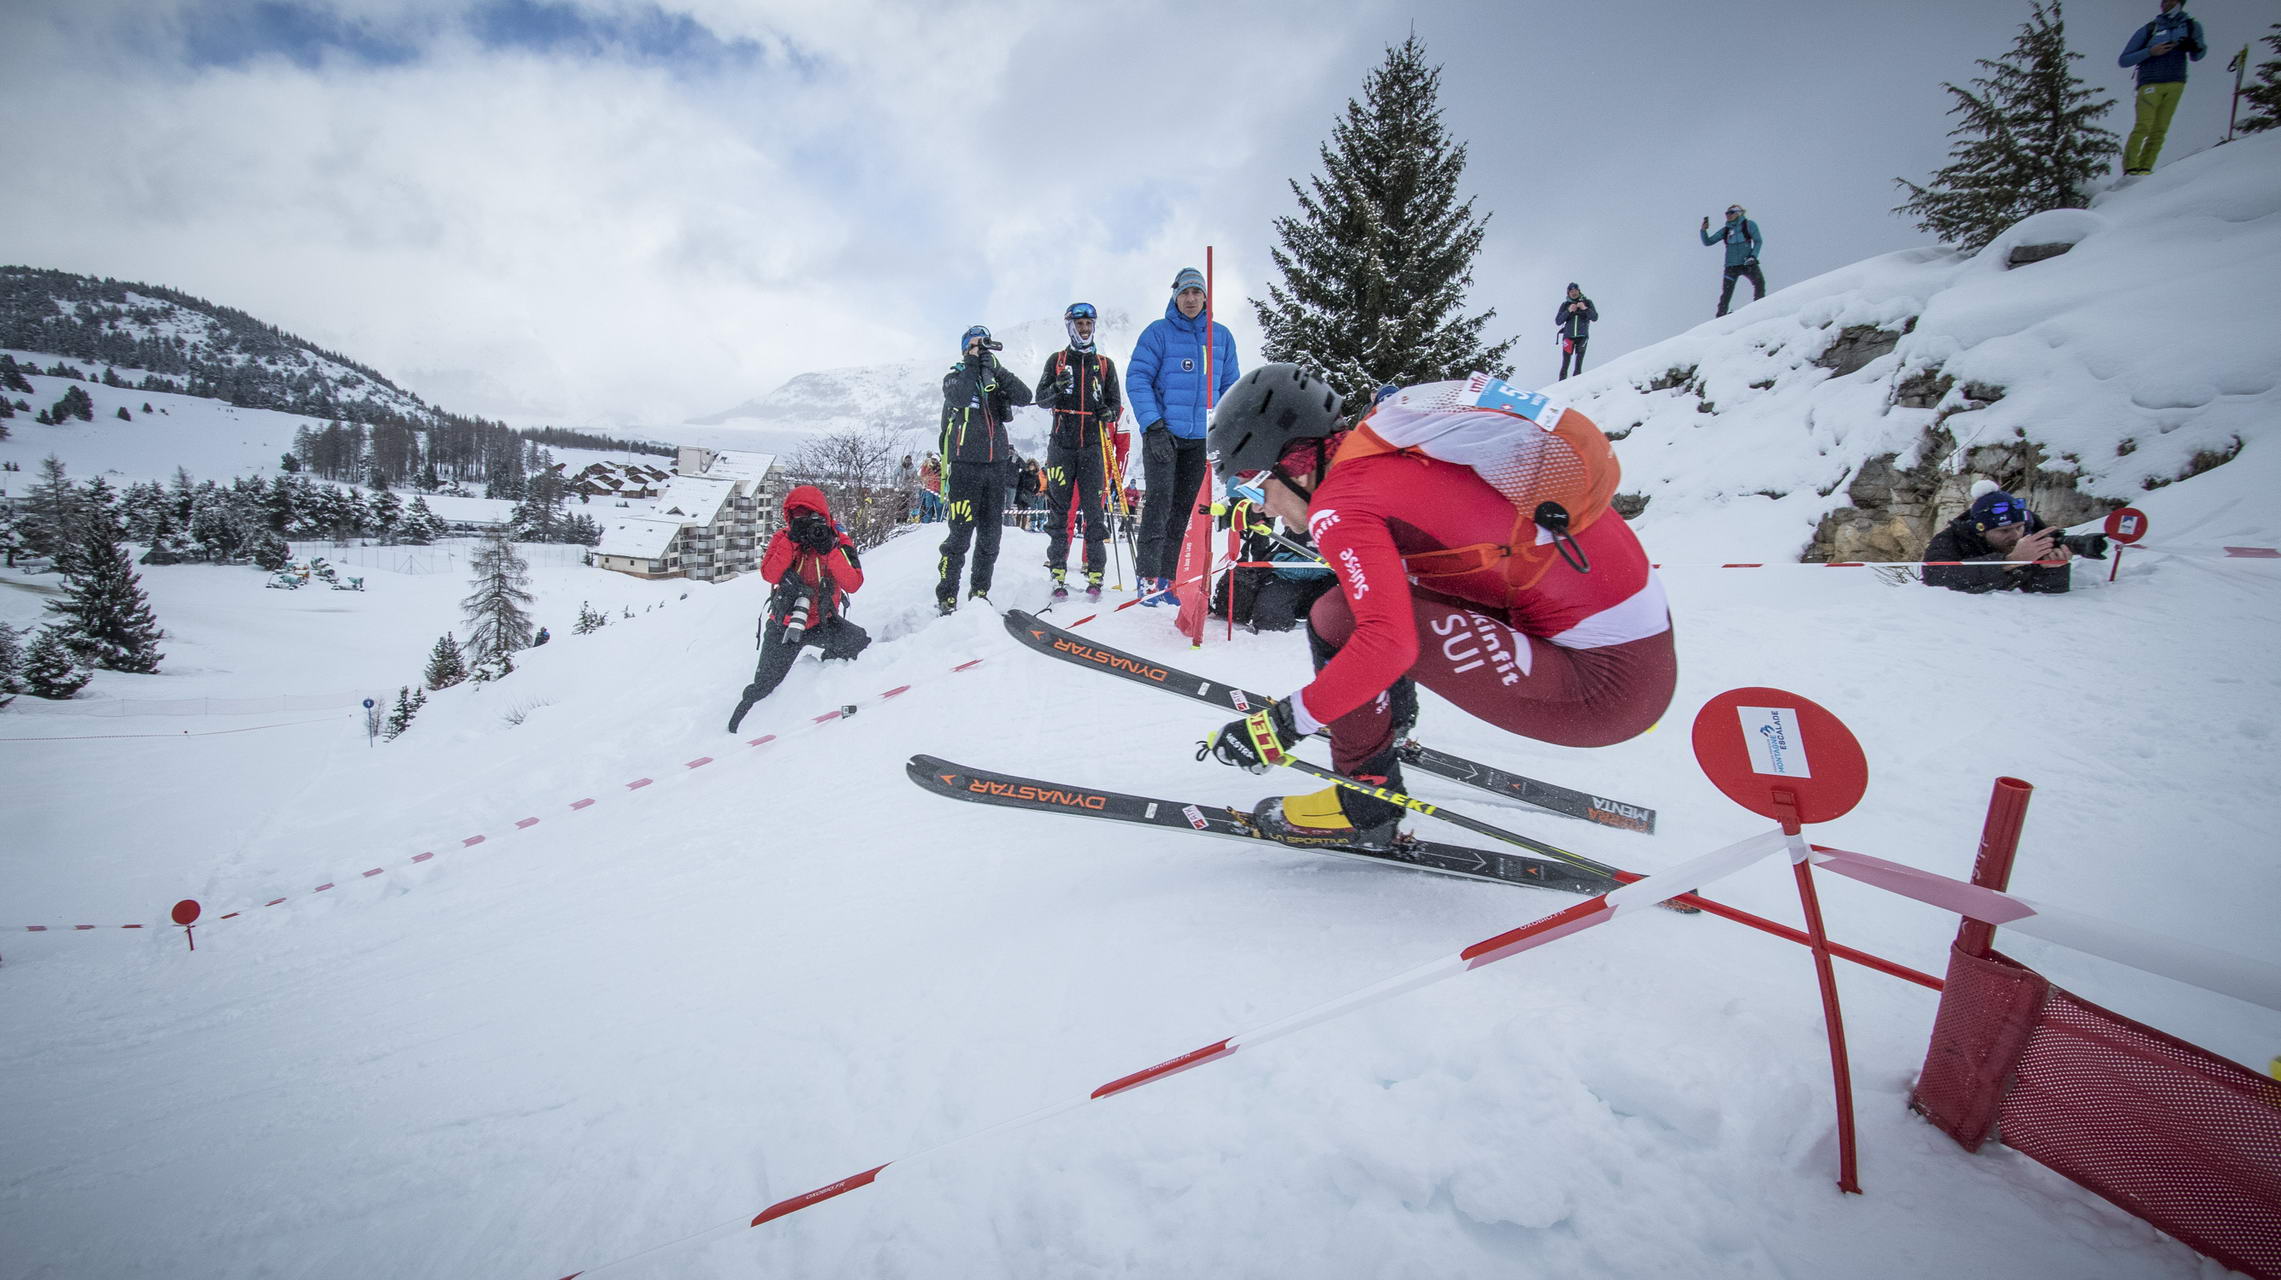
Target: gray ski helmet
column 1266, row 410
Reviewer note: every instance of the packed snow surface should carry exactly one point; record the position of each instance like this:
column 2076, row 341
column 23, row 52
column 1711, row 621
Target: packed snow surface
column 587, row 1039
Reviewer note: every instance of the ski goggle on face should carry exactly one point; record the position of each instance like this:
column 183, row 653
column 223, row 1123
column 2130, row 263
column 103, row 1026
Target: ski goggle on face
column 1081, row 311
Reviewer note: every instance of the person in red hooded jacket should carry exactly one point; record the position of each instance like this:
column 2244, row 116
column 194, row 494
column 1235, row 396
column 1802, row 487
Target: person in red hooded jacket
column 814, row 566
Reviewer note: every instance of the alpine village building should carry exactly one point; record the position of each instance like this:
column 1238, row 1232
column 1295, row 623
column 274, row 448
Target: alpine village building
column 708, row 520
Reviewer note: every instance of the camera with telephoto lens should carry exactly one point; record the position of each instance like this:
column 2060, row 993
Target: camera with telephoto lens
column 2092, row 546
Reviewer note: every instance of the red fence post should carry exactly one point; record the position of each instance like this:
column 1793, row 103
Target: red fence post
column 1992, row 869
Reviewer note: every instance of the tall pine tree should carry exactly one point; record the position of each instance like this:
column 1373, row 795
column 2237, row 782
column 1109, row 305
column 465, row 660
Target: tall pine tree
column 106, row 616
column 1376, row 263
column 497, row 624
column 2028, row 141
column 2264, row 93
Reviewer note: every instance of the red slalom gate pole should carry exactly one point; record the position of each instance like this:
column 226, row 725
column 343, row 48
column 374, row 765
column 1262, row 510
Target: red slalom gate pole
column 1992, row 867
column 1196, row 549
column 1825, row 976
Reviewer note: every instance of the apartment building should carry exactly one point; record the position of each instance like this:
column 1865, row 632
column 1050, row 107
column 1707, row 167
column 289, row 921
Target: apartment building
column 710, row 520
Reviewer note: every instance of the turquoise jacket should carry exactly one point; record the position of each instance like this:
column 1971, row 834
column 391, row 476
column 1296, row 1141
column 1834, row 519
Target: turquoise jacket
column 1742, row 245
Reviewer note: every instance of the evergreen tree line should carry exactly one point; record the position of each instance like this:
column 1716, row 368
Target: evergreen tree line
column 103, row 619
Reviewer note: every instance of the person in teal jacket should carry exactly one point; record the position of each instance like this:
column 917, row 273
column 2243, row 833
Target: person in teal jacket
column 1164, row 384
column 1743, row 244
column 2159, row 50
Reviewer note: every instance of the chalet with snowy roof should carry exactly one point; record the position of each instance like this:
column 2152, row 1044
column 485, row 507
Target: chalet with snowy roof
column 706, row 519
column 623, row 481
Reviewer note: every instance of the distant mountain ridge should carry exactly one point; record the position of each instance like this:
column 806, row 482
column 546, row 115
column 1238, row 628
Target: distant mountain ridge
column 172, row 341
column 154, row 338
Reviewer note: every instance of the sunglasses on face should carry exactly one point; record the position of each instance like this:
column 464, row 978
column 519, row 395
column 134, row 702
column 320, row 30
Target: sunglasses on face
column 1249, row 490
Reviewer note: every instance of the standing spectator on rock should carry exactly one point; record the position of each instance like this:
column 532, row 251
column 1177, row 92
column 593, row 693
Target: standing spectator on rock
column 1743, row 243
column 1165, row 383
column 1573, row 318
column 1080, row 386
column 2159, row 50
column 979, row 396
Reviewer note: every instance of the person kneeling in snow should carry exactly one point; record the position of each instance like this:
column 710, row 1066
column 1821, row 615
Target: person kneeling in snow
column 814, row 567
column 1469, row 527
column 2020, row 553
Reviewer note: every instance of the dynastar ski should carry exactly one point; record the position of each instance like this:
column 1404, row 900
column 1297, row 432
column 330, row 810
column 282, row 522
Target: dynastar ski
column 963, row 782
column 1056, row 642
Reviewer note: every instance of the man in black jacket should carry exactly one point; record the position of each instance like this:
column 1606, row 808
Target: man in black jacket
column 2012, row 548
column 1080, row 386
column 1574, row 319
column 979, row 395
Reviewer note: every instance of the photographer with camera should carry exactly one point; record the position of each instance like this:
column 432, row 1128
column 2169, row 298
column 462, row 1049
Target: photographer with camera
column 2000, row 545
column 814, row 567
column 1572, row 320
column 979, row 396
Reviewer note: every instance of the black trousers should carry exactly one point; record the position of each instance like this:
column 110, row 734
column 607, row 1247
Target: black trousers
column 1748, row 270
column 976, row 496
column 1577, row 354
column 1074, row 472
column 1175, row 471
column 836, row 636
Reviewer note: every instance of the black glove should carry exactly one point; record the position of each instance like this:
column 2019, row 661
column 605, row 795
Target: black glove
column 1258, row 740
column 1068, row 385
column 814, row 533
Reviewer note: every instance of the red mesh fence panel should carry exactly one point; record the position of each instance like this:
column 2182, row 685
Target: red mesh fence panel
column 2176, row 1135
column 1987, row 1013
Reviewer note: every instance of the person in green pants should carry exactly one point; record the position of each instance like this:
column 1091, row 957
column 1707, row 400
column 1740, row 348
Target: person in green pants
column 2159, row 50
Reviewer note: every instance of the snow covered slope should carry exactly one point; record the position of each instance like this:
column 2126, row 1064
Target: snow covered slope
column 588, row 1038
column 2151, row 347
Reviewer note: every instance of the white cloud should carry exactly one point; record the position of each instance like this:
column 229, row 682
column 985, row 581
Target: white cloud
column 597, row 239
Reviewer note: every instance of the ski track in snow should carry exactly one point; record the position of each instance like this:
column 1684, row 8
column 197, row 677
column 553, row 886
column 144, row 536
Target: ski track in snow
column 663, row 1012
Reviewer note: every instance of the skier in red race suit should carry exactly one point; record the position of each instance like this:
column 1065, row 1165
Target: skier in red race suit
column 1469, row 528
column 814, row 566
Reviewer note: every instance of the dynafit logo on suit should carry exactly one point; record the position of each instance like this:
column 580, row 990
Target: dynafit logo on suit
column 1775, row 744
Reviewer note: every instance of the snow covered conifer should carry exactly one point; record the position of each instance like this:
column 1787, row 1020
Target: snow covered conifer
column 50, row 509
column 590, row 620
column 2264, row 93
column 269, row 551
column 1376, row 264
column 11, row 663
column 400, row 718
column 419, row 525
column 2028, row 141
column 108, row 622
column 50, row 669
column 447, row 666
column 497, row 623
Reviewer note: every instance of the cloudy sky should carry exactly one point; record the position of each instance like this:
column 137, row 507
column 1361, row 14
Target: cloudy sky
column 629, row 213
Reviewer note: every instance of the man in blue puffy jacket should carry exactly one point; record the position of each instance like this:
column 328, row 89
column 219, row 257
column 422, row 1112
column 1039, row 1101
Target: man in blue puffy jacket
column 1164, row 383
column 2159, row 50
column 1743, row 244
